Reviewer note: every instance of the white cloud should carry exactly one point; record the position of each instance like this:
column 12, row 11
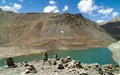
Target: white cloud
column 106, row 12
column 17, row 6
column 13, row 8
column 52, row 2
column 98, row 21
column 6, row 8
column 87, row 6
column 56, row 11
column 51, row 7
column 65, row 8
column 114, row 14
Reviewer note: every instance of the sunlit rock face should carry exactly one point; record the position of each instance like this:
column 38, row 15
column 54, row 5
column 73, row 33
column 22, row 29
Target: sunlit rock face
column 115, row 47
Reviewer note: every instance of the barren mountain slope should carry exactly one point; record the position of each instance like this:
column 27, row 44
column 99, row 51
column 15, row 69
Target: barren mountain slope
column 51, row 31
column 113, row 28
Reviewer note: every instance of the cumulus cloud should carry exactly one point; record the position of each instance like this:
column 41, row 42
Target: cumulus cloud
column 17, row 6
column 108, row 12
column 87, row 6
column 52, row 2
column 56, row 11
column 51, row 7
column 13, row 8
column 98, row 21
column 105, row 12
column 65, row 8
column 114, row 14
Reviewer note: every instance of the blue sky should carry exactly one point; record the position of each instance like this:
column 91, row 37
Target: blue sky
column 96, row 10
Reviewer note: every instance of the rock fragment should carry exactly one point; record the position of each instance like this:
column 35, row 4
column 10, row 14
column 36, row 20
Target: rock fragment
column 60, row 66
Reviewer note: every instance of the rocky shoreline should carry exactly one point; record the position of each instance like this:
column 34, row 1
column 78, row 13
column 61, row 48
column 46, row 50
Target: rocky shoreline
column 115, row 48
column 59, row 66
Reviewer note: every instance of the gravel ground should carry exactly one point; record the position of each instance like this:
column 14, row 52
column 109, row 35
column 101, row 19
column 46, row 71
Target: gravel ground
column 115, row 48
column 50, row 68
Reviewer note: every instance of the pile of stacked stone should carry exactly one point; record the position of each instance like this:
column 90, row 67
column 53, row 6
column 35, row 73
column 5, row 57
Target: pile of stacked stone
column 10, row 63
column 67, row 65
column 63, row 63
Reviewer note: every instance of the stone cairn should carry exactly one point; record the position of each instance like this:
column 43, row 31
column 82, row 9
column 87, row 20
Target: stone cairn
column 56, row 56
column 67, row 63
column 10, row 63
column 45, row 57
column 62, row 63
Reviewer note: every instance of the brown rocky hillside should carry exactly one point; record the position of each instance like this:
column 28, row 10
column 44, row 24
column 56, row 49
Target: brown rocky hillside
column 113, row 28
column 51, row 31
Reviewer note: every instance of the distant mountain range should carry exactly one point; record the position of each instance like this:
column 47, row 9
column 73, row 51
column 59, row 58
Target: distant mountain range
column 113, row 28
column 51, row 31
column 101, row 23
column 6, row 11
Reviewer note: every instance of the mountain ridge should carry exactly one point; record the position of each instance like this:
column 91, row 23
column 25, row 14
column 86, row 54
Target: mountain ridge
column 51, row 31
column 113, row 27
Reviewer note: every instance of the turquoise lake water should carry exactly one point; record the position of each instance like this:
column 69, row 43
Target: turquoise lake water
column 94, row 55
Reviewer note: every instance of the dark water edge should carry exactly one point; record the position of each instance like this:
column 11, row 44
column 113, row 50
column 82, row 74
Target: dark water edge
column 93, row 55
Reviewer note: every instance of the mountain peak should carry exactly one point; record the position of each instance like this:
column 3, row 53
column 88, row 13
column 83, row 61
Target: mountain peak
column 51, row 31
column 113, row 27
column 116, row 19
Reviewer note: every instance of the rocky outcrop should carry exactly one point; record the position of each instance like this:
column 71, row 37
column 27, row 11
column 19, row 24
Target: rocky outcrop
column 115, row 48
column 113, row 27
column 60, row 66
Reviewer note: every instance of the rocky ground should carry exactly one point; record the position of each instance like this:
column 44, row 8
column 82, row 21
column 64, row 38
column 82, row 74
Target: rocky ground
column 63, row 66
column 115, row 48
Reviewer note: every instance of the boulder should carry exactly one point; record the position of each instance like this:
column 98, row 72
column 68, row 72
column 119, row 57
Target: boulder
column 10, row 63
column 26, row 64
column 71, row 64
column 78, row 64
column 60, row 66
column 31, row 69
column 63, row 60
column 54, row 62
column 73, row 70
column 69, row 59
